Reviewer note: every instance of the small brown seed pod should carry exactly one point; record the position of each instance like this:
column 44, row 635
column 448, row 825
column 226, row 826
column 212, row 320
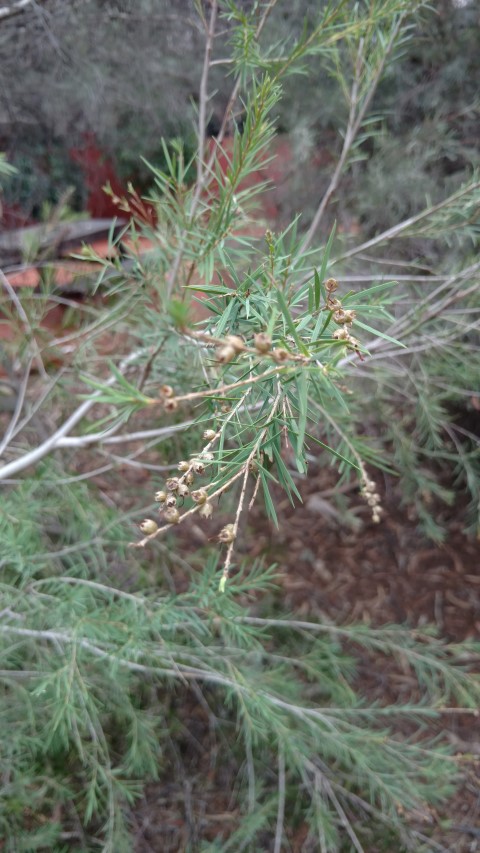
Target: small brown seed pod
column 170, row 405
column 183, row 490
column 149, row 526
column 227, row 534
column 262, row 342
column 166, row 391
column 206, row 510
column 200, row 496
column 172, row 515
column 225, row 353
column 183, row 466
column 171, row 501
column 198, row 466
column 160, row 497
column 235, row 342
column 189, row 478
column 331, row 285
column 172, row 484
column 209, row 434
column 280, row 355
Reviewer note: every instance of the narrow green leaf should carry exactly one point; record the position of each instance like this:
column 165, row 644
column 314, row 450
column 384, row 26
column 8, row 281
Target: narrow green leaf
column 269, row 505
column 317, row 291
column 380, row 334
column 333, row 452
column 302, row 401
column 289, row 321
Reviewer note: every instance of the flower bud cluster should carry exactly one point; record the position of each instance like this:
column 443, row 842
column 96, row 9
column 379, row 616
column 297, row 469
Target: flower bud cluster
column 341, row 316
column 372, row 498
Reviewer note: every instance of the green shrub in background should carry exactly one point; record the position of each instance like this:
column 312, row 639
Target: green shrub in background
column 308, row 346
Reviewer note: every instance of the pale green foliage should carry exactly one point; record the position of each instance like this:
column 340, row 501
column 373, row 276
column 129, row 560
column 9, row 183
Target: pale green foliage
column 98, row 647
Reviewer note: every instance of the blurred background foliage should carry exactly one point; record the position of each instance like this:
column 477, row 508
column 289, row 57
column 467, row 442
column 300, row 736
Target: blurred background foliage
column 117, row 70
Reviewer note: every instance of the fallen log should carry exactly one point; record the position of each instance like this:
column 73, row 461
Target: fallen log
column 53, row 240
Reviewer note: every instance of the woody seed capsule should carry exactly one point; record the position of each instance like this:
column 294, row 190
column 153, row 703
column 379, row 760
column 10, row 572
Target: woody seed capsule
column 166, row 391
column 262, row 342
column 172, row 516
column 206, row 510
column 149, row 526
column 209, row 434
column 225, row 353
column 235, row 342
column 172, row 484
column 160, row 497
column 227, row 534
column 331, row 284
column 171, row 500
column 280, row 355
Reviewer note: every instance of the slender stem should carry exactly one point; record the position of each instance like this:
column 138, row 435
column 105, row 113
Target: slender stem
column 354, row 123
column 26, row 322
column 53, row 441
column 203, row 95
column 277, row 848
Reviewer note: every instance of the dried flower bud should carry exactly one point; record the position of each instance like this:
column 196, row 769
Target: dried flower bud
column 209, row 434
column 340, row 316
column 170, row 405
column 235, row 342
column 183, row 466
column 166, row 391
column 198, row 466
column 171, row 500
column 225, row 353
column 206, row 510
column 172, row 484
column 189, row 478
column 331, row 285
column 341, row 335
column 160, row 497
column 280, row 355
column 183, row 490
column 333, row 304
column 149, row 526
column 227, row 534
column 200, row 496
column 350, row 316
column 262, row 342
column 172, row 515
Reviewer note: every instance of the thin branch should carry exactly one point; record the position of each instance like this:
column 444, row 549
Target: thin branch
column 281, row 801
column 53, row 441
column 203, row 94
column 208, row 170
column 26, row 322
column 355, row 120
column 10, row 431
column 15, row 8
column 398, row 229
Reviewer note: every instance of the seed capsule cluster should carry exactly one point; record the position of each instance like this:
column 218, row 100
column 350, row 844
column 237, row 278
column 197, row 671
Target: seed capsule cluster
column 341, row 316
column 178, row 488
column 372, row 498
